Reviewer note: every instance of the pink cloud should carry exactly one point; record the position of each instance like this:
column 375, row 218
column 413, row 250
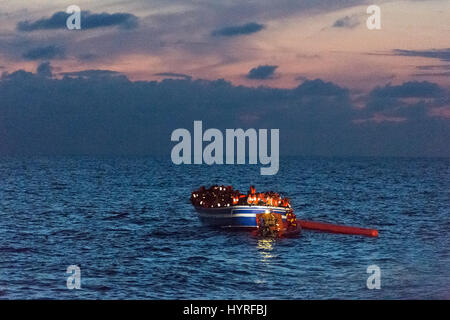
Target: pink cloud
column 443, row 112
column 378, row 118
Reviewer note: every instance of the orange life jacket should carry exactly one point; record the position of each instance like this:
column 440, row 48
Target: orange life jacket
column 262, row 196
column 291, row 218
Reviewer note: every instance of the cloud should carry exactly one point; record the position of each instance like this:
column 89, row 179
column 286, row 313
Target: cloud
column 433, row 71
column 244, row 29
column 18, row 75
column 441, row 54
column 301, row 78
column 46, row 53
column 167, row 30
column 56, row 21
column 102, row 112
column 434, row 67
column 93, row 74
column 443, row 112
column 422, row 89
column 88, row 21
column 88, row 57
column 44, row 70
column 319, row 87
column 410, row 101
column 432, row 74
column 173, row 75
column 262, row 72
column 348, row 22
column 307, row 56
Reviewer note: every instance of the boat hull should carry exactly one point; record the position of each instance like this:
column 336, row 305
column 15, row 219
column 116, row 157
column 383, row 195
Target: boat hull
column 235, row 216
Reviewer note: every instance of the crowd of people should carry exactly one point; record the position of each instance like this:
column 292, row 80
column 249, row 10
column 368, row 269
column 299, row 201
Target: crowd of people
column 225, row 196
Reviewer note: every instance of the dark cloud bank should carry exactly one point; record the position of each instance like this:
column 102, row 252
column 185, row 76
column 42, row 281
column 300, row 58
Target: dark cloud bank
column 262, row 72
column 441, row 54
column 102, row 112
column 44, row 53
column 88, row 21
column 348, row 22
column 231, row 31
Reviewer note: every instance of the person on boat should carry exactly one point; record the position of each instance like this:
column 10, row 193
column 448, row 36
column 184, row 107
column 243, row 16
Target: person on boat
column 242, row 199
column 235, row 199
column 268, row 225
column 260, row 198
column 269, row 200
column 291, row 219
column 251, row 199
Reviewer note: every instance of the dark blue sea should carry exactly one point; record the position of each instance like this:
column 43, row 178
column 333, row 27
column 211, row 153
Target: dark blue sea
column 128, row 224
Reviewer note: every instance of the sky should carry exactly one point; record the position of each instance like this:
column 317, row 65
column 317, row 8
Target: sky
column 282, row 63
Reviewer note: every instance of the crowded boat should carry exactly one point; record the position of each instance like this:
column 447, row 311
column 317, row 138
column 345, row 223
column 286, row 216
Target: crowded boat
column 225, row 196
column 268, row 212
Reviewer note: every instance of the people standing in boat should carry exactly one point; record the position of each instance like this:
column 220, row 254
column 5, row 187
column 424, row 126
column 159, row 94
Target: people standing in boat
column 291, row 219
column 224, row 196
column 268, row 224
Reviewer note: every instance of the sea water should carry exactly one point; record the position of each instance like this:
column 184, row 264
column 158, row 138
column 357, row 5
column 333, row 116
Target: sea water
column 127, row 223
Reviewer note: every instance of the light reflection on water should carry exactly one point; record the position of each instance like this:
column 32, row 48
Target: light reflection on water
column 265, row 247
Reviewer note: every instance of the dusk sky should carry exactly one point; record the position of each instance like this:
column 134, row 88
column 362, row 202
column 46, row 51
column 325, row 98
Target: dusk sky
column 304, row 39
column 320, row 48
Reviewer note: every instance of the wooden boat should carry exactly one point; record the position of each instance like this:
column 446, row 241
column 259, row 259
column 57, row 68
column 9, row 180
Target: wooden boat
column 239, row 216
